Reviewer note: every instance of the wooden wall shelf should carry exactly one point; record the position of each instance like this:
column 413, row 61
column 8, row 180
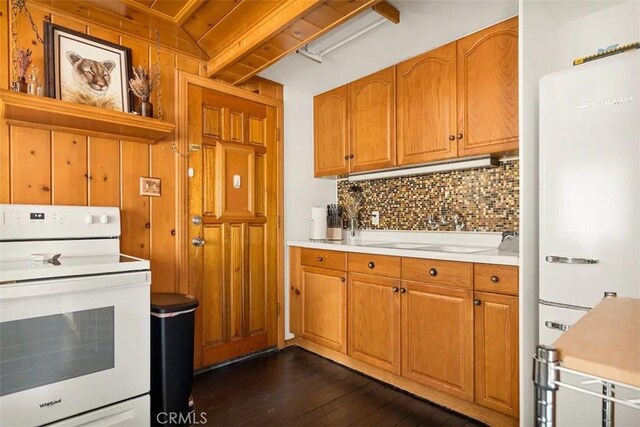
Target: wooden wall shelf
column 19, row 109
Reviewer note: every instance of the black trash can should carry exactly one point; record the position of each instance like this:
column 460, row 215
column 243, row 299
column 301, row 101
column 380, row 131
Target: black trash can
column 172, row 330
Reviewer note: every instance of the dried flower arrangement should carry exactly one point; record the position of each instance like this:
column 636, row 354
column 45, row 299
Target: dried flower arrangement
column 354, row 202
column 23, row 62
column 143, row 82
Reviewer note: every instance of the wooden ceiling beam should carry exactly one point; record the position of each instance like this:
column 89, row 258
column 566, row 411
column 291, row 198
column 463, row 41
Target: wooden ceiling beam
column 366, row 4
column 388, row 10
column 187, row 11
column 261, row 31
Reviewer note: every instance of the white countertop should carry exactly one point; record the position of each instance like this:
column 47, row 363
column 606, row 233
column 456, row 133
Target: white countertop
column 486, row 257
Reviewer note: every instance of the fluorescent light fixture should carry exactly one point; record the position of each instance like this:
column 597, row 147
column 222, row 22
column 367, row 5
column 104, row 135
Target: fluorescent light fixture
column 342, row 35
column 473, row 163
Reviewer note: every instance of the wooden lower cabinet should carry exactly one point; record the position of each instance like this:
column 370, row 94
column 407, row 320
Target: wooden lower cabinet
column 437, row 337
column 374, row 321
column 323, row 316
column 496, row 352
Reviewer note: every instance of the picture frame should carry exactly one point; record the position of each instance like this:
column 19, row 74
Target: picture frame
column 87, row 70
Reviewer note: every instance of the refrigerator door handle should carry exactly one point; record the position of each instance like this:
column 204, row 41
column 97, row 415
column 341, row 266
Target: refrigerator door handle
column 553, row 259
column 557, row 325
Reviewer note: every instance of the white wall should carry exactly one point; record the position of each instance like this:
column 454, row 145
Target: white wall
column 423, row 25
column 552, row 35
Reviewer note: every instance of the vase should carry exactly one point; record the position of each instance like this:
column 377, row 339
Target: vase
column 352, row 235
column 146, row 108
column 21, row 85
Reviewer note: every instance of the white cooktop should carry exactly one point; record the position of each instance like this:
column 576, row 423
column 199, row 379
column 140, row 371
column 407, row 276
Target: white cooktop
column 68, row 266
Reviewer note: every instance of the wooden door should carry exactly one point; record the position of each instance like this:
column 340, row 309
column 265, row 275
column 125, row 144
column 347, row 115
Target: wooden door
column 488, row 90
column 496, row 352
column 427, row 107
column 372, row 121
column 374, row 321
column 324, row 307
column 232, row 189
column 437, row 338
column 331, row 133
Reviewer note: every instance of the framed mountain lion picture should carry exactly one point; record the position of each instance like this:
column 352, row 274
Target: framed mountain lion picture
column 86, row 70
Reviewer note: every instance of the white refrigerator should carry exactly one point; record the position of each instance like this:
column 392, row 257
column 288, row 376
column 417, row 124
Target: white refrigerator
column 589, row 206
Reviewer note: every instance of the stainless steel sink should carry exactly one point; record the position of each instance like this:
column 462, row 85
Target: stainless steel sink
column 456, row 249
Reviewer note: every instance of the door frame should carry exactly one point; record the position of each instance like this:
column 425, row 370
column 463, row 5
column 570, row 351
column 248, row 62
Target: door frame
column 183, row 81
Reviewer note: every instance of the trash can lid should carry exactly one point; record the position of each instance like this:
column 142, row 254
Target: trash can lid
column 172, row 303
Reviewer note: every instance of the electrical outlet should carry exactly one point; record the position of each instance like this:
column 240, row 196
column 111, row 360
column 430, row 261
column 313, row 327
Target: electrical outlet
column 375, row 218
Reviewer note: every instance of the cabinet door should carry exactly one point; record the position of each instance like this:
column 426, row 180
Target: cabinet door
column 372, row 118
column 331, row 132
column 437, row 338
column 374, row 321
column 488, row 90
column 427, row 107
column 295, row 294
column 496, row 352
column 324, row 307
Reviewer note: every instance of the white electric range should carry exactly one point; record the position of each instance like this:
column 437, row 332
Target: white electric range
column 74, row 319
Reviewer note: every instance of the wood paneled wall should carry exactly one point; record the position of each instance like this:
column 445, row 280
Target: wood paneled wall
column 39, row 166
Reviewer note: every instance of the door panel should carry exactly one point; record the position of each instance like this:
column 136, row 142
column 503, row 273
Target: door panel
column 488, row 90
column 324, row 307
column 496, row 349
column 372, row 121
column 427, row 107
column 234, row 271
column 331, row 133
column 374, row 321
column 437, row 338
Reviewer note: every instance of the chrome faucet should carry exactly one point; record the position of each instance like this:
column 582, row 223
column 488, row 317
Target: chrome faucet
column 443, row 216
column 456, row 220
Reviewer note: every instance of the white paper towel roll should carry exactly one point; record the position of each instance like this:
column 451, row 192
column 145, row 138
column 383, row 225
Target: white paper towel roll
column 318, row 223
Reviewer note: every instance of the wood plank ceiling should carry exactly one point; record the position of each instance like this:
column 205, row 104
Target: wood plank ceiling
column 240, row 38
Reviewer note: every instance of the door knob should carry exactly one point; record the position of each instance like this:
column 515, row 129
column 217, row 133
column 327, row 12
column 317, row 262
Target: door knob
column 196, row 220
column 197, row 241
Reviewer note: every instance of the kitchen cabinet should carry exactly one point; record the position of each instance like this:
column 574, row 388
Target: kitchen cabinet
column 331, row 132
column 437, row 337
column 374, row 321
column 496, row 352
column 323, row 317
column 295, row 293
column 487, row 90
column 427, row 117
column 372, row 121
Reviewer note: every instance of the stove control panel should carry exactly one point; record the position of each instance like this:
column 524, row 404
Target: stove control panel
column 29, row 222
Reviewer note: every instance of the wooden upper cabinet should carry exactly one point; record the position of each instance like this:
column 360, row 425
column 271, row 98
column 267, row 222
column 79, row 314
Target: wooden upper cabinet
column 427, row 107
column 374, row 321
column 372, row 120
column 488, row 90
column 331, row 132
column 437, row 338
column 496, row 352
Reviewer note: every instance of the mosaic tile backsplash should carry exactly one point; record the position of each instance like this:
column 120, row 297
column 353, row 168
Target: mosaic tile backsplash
column 487, row 199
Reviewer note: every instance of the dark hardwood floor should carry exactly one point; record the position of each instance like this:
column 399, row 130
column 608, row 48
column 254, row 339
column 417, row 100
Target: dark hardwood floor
column 298, row 388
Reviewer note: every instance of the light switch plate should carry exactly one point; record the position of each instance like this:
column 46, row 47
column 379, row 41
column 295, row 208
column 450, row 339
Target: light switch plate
column 236, row 181
column 150, row 186
column 375, row 218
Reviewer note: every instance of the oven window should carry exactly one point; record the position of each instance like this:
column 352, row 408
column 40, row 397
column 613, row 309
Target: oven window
column 43, row 350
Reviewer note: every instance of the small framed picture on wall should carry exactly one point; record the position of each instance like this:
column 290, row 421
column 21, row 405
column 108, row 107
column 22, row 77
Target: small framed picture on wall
column 86, row 70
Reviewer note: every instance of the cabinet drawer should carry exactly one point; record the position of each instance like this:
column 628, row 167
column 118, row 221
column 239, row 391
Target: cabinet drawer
column 436, row 272
column 324, row 259
column 502, row 279
column 379, row 265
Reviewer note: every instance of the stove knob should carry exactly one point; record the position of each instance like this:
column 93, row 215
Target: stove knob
column 104, row 219
column 88, row 219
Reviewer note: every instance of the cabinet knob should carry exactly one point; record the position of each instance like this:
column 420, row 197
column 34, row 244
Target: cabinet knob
column 342, row 279
column 371, row 264
column 351, row 156
column 346, row 157
column 433, row 272
column 403, row 291
column 395, row 289
column 460, row 136
column 297, row 291
column 452, row 137
column 495, row 279
column 320, row 259
column 477, row 302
